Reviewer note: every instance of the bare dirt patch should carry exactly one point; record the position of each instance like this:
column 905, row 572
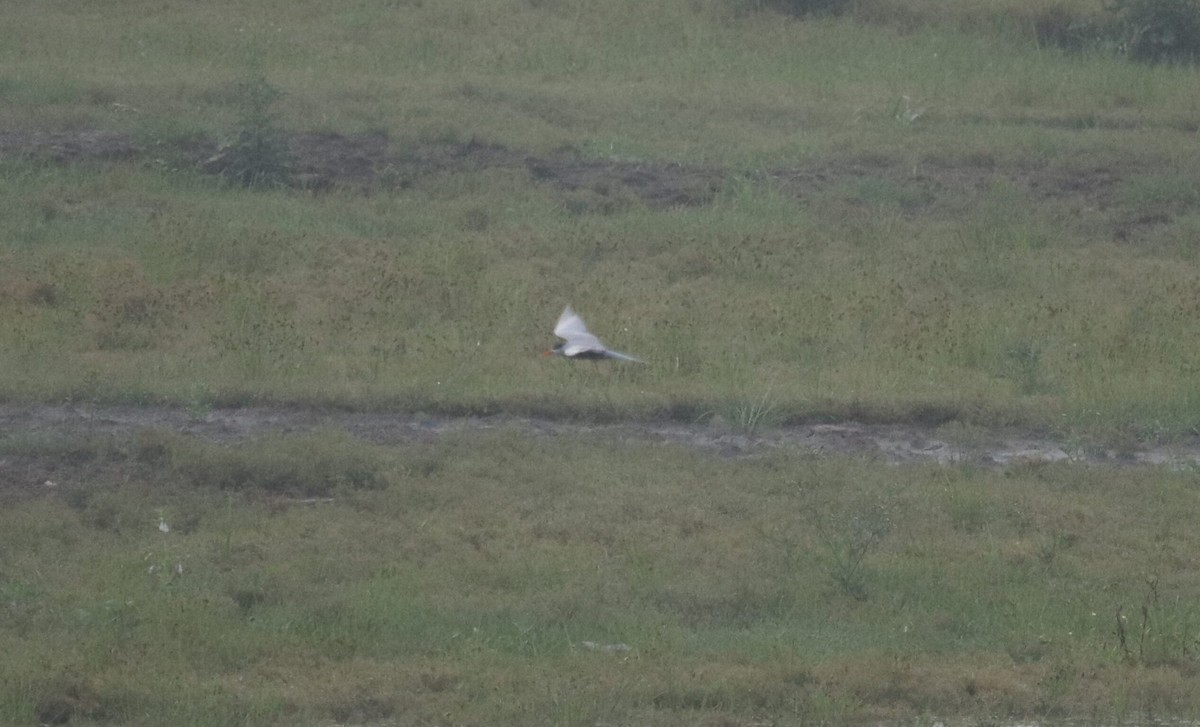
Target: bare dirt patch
column 324, row 160
column 68, row 146
column 898, row 444
column 656, row 185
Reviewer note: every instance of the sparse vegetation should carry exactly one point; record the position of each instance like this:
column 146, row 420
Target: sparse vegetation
column 503, row 578
column 848, row 539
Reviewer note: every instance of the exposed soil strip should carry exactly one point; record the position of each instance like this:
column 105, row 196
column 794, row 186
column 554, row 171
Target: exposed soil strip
column 890, row 443
column 323, row 160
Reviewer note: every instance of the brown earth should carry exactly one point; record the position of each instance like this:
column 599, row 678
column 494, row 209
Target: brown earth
column 324, row 160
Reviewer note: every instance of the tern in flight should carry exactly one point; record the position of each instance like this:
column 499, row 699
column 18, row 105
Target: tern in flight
column 579, row 343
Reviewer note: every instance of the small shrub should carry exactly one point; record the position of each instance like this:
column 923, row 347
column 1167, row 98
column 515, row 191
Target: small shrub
column 849, row 533
column 258, row 155
column 1159, row 31
column 848, row 540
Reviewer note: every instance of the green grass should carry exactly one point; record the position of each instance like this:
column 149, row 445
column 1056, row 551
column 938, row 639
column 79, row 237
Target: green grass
column 674, row 80
column 1039, row 288
column 873, row 299
column 461, row 581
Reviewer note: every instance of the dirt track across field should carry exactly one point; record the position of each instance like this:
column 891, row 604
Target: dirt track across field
column 891, row 443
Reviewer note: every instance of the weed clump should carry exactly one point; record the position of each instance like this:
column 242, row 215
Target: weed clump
column 258, row 156
column 848, row 538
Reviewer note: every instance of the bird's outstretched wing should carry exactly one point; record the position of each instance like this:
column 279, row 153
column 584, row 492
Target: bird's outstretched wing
column 571, row 328
column 580, row 343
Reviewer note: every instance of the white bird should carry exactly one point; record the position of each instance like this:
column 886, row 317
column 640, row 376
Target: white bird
column 579, row 343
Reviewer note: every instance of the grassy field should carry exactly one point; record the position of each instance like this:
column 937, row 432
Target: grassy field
column 1020, row 251
column 506, row 579
column 922, row 212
